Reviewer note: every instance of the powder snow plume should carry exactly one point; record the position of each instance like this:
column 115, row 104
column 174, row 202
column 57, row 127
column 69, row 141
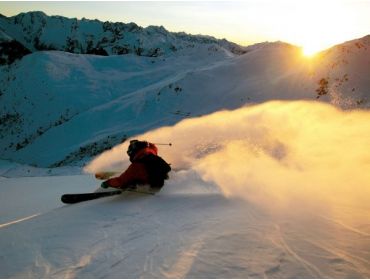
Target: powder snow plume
column 277, row 154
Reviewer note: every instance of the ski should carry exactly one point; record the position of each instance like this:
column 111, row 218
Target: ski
column 80, row 197
column 72, row 198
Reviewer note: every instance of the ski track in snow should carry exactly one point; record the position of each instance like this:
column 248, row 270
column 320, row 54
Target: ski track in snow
column 313, row 271
column 347, row 227
column 18, row 221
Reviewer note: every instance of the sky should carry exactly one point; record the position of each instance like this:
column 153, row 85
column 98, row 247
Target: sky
column 311, row 24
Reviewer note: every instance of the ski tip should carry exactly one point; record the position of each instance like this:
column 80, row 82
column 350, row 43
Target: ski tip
column 64, row 199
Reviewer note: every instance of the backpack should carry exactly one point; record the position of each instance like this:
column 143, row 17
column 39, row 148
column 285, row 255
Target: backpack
column 157, row 169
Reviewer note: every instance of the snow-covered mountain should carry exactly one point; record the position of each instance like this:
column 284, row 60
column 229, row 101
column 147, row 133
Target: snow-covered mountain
column 61, row 86
column 36, row 31
column 59, row 108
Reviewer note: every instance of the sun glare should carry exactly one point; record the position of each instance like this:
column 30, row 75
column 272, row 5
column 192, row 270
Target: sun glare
column 310, row 51
column 313, row 24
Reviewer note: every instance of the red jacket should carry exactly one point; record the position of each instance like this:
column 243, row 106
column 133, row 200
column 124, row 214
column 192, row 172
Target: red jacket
column 136, row 173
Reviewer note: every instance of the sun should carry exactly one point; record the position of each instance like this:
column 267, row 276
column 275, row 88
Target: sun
column 314, row 25
column 310, row 50
column 314, row 42
column 312, row 45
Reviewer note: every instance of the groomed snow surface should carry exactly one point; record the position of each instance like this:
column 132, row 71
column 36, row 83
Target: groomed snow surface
column 183, row 232
column 254, row 202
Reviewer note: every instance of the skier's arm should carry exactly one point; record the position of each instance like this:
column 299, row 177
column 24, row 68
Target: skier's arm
column 135, row 173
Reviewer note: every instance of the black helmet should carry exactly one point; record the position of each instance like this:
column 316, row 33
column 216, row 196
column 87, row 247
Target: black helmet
column 135, row 146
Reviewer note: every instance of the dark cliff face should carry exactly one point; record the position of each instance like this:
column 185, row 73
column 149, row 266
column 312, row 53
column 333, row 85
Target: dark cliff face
column 12, row 50
column 35, row 31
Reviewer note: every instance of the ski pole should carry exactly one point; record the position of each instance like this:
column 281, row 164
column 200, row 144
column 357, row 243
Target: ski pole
column 163, row 144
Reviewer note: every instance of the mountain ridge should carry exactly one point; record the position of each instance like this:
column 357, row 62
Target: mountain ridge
column 36, row 31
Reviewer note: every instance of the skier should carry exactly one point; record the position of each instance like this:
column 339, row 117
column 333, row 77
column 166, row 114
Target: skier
column 147, row 168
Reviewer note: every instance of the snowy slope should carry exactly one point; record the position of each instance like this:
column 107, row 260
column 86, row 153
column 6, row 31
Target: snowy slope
column 67, row 90
column 81, row 105
column 134, row 237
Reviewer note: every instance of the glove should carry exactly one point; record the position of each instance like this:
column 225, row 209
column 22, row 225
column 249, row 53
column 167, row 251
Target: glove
column 105, row 185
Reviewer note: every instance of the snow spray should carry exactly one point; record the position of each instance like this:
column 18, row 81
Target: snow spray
column 276, row 154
